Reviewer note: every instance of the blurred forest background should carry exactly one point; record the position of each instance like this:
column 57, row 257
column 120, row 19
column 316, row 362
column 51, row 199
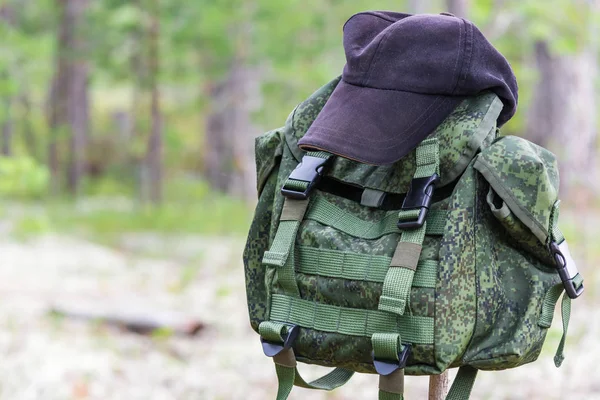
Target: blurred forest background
column 127, row 171
column 157, row 102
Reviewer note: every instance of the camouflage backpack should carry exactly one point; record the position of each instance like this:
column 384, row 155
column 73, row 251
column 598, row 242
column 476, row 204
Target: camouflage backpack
column 450, row 257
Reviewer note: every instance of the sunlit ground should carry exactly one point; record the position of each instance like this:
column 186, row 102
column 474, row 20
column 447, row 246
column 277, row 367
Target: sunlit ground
column 45, row 356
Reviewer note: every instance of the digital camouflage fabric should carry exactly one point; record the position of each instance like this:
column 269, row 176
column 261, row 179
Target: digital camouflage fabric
column 485, row 283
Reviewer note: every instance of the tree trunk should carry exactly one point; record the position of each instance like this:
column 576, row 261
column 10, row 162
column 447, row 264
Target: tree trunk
column 57, row 97
column 229, row 133
column 154, row 156
column 6, row 99
column 562, row 115
column 78, row 101
column 69, row 96
column 228, row 160
column 242, row 131
column 216, row 151
column 7, row 125
column 135, row 145
column 79, row 122
column 460, row 8
column 28, row 133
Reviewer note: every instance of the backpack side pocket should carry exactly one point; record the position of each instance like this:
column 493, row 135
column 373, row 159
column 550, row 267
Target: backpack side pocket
column 515, row 269
column 525, row 178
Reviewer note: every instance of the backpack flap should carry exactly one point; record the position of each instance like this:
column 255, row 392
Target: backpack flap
column 471, row 127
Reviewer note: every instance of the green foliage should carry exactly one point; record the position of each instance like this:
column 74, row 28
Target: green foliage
column 295, row 45
column 190, row 207
column 514, row 27
column 23, row 178
column 31, row 225
column 219, row 216
column 108, row 186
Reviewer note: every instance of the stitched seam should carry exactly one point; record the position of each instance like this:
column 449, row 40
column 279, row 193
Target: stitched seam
column 458, row 58
column 469, row 33
column 371, row 63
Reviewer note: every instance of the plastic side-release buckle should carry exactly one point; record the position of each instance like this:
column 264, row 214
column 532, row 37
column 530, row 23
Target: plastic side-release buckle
column 567, row 269
column 386, row 367
column 272, row 349
column 419, row 197
column 310, row 170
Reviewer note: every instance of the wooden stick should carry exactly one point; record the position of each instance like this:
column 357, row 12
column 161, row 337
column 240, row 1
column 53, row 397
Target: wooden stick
column 438, row 386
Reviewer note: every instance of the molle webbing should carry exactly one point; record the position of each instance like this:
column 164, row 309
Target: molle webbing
column 329, row 214
column 350, row 321
column 281, row 253
column 357, row 266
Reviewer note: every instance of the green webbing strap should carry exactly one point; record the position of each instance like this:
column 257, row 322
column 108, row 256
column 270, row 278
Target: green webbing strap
column 272, row 331
column 463, row 383
column 549, row 304
column 331, row 215
column 387, row 346
column 332, row 380
column 357, row 266
column 383, row 395
column 281, row 253
column 399, row 278
column 294, row 184
column 428, row 158
column 285, row 379
column 285, row 364
column 288, row 376
column 565, row 308
column 460, row 390
column 551, row 297
column 350, row 321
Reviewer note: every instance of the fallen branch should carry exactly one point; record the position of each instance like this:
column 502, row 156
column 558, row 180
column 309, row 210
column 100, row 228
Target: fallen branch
column 134, row 320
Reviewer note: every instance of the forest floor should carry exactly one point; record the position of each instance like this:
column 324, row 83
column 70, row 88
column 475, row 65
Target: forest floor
column 44, row 356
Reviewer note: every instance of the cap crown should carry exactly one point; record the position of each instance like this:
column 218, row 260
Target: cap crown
column 426, row 54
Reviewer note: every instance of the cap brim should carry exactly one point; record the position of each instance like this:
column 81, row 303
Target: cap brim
column 376, row 126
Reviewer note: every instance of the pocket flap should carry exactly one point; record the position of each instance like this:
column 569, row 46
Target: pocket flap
column 525, row 176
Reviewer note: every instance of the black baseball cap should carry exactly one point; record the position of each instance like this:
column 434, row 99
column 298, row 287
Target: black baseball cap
column 404, row 75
